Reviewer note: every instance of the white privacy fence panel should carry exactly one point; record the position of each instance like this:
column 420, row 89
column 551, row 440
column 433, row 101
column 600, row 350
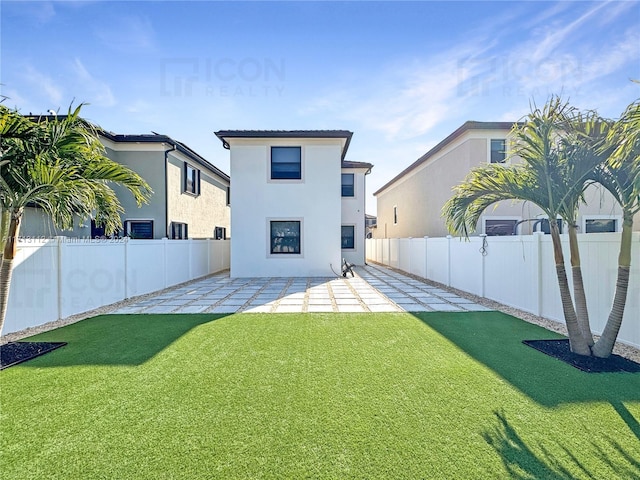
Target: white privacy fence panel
column 511, row 271
column 438, row 260
column 466, row 271
column 520, row 271
column 54, row 279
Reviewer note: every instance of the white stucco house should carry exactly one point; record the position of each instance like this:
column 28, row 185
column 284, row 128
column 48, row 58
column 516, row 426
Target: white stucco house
column 297, row 206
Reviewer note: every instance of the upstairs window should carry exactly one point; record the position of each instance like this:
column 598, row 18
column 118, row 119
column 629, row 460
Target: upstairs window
column 348, row 236
column 348, row 185
column 498, row 151
column 286, row 163
column 285, row 237
column 191, row 179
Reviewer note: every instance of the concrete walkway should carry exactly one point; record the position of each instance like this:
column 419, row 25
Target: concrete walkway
column 373, row 289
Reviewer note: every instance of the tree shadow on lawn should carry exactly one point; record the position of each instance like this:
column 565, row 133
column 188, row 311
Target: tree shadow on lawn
column 116, row 339
column 495, row 339
column 523, row 463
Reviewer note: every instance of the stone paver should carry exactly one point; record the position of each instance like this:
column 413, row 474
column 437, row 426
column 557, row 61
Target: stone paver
column 373, row 289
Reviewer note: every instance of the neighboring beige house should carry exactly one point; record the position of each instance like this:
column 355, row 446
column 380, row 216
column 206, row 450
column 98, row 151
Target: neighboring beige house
column 410, row 205
column 190, row 199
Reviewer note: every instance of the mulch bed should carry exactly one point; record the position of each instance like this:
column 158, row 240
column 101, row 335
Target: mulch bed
column 13, row 353
column 560, row 349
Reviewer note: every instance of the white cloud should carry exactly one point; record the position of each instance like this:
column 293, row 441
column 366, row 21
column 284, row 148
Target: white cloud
column 96, row 91
column 51, row 90
column 127, row 34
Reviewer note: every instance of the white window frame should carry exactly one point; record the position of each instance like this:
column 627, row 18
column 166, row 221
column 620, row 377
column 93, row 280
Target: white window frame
column 497, row 217
column 354, row 185
column 617, row 218
column 506, row 151
column 268, row 237
column 286, row 180
column 197, row 183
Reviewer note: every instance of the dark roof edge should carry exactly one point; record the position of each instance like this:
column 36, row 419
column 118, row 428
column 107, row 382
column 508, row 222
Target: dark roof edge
column 350, row 164
column 346, row 134
column 179, row 146
column 466, row 126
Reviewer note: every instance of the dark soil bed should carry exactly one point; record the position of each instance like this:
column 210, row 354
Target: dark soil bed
column 13, row 353
column 560, row 349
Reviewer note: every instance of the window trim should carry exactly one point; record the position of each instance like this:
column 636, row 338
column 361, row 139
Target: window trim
column 270, row 178
column 498, row 217
column 616, row 218
column 506, row 151
column 353, row 226
column 196, row 181
column 271, row 254
column 126, row 227
column 183, row 231
column 216, row 230
column 353, row 185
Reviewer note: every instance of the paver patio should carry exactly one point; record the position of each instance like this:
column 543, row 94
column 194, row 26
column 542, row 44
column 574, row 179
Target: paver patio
column 373, row 289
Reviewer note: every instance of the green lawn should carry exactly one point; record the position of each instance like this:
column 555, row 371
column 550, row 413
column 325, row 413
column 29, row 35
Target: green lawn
column 443, row 396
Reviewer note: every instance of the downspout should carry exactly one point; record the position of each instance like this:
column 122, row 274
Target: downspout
column 166, row 189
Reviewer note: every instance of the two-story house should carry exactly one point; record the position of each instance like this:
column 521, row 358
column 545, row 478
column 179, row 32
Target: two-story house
column 298, row 205
column 410, row 204
column 190, row 195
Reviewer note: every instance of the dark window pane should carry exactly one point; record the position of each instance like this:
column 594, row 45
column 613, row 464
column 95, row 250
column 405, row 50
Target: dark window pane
column 496, row 228
column 139, row 229
column 348, row 234
column 191, row 179
column 285, row 237
column 498, row 151
column 348, row 189
column 286, row 163
column 600, row 226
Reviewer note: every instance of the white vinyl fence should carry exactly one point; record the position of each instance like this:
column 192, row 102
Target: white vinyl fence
column 520, row 271
column 53, row 279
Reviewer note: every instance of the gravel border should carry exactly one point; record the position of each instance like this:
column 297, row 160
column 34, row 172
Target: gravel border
column 621, row 349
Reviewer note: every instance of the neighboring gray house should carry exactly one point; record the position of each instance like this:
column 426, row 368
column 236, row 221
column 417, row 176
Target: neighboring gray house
column 190, row 199
column 410, row 204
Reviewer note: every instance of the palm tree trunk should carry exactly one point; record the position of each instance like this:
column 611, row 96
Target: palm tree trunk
column 577, row 341
column 5, row 219
column 604, row 346
column 578, row 287
column 9, row 253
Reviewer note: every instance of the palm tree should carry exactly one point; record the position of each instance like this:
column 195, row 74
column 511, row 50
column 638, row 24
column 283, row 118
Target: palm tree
column 59, row 165
column 548, row 178
column 621, row 177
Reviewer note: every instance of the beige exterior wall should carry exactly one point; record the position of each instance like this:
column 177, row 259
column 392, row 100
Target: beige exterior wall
column 420, row 195
column 202, row 213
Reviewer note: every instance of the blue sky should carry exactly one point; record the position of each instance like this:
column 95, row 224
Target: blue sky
column 400, row 75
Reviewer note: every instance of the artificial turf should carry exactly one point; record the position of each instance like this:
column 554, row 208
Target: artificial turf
column 434, row 395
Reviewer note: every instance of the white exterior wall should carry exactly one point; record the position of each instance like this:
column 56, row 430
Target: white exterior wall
column 353, row 214
column 256, row 200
